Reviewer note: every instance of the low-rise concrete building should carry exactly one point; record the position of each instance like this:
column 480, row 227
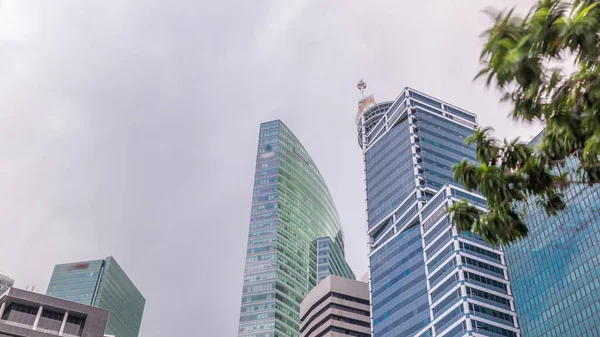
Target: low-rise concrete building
column 28, row 314
column 336, row 307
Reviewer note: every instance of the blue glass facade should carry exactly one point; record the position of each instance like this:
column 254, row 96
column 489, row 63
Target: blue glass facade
column 387, row 162
column 295, row 236
column 426, row 278
column 398, row 287
column 103, row 284
column 556, row 268
column 442, row 145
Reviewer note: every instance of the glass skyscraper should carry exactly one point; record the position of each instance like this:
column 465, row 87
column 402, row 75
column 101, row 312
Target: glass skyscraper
column 295, row 237
column 103, row 284
column 555, row 270
column 427, row 279
column 330, row 258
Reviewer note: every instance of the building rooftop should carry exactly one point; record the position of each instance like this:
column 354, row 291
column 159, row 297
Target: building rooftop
column 28, row 314
column 336, row 307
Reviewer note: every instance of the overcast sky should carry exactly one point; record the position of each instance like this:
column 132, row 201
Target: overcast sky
column 129, row 128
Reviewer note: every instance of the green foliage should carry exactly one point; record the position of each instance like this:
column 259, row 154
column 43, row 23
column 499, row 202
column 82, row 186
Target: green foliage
column 525, row 58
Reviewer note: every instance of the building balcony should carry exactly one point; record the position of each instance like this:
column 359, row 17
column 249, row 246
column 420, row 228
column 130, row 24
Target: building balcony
column 30, row 327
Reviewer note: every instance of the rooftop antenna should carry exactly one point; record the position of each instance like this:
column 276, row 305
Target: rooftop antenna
column 362, row 86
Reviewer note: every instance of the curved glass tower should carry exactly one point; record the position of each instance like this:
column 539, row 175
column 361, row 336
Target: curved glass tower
column 295, row 236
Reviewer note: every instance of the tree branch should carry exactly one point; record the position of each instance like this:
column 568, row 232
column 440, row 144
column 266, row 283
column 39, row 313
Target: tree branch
column 569, row 182
column 590, row 166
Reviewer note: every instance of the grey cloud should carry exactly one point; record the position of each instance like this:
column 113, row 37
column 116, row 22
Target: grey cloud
column 129, row 128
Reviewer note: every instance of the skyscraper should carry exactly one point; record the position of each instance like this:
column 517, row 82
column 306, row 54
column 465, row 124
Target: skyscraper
column 555, row 270
column 330, row 258
column 103, row 284
column 427, row 279
column 295, row 236
column 5, row 283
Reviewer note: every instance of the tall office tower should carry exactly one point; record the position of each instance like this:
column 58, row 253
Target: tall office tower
column 294, row 227
column 427, row 279
column 555, row 270
column 103, row 284
column 336, row 307
column 330, row 258
column 5, row 283
column 28, row 314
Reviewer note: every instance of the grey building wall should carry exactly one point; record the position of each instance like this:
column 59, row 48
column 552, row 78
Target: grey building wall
column 19, row 323
column 336, row 307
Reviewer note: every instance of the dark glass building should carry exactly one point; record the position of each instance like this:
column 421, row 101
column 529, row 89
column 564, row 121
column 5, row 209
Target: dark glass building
column 295, row 236
column 427, row 279
column 103, row 284
column 556, row 268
